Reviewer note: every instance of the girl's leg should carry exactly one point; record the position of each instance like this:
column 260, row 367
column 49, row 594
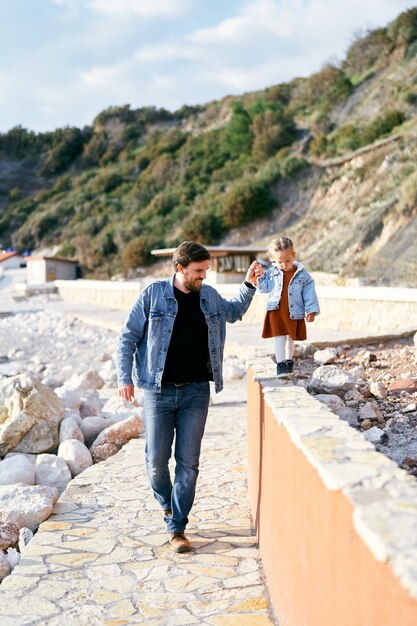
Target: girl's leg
column 289, row 348
column 280, row 343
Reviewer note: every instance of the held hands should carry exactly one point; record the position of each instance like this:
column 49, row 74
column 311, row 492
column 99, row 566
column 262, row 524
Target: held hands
column 127, row 392
column 255, row 270
column 310, row 317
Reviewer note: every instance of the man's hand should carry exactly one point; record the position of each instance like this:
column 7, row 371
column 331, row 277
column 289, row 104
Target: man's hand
column 255, row 270
column 310, row 317
column 127, row 392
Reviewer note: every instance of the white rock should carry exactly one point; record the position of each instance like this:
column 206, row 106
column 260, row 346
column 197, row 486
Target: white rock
column 90, row 403
column 52, row 471
column 26, row 505
column 110, row 440
column 331, row 379
column 29, row 415
column 70, row 429
column 349, row 415
column 17, row 468
column 13, row 557
column 326, row 356
column 70, row 398
column 370, row 410
column 378, row 390
column 233, row 369
column 25, row 537
column 118, row 405
column 92, row 426
column 375, row 435
column 304, row 350
column 332, row 401
column 353, row 396
column 74, row 413
column 85, row 382
column 76, row 454
column 51, row 382
column 364, row 358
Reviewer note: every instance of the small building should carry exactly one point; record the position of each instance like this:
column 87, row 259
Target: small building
column 43, row 269
column 229, row 264
column 12, row 260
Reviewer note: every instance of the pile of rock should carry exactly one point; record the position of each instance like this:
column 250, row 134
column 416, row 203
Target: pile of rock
column 48, row 436
column 375, row 390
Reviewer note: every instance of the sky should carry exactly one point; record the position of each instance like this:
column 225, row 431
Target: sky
column 64, row 61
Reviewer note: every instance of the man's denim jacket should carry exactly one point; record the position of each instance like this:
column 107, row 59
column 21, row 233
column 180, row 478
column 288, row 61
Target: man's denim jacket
column 144, row 339
column 302, row 298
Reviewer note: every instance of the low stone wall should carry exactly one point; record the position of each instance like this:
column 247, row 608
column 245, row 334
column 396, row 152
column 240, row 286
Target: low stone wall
column 116, row 295
column 336, row 520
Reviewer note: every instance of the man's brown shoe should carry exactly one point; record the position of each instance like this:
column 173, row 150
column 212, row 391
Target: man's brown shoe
column 179, row 542
column 167, row 512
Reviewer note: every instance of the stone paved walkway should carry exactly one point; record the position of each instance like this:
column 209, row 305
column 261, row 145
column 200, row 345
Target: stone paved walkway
column 103, row 556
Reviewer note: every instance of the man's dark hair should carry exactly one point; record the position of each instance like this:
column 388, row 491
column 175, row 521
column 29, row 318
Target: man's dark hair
column 189, row 251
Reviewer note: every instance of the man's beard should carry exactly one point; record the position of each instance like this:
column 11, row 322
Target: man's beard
column 193, row 286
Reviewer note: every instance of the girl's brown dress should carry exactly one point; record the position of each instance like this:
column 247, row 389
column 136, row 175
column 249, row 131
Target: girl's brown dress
column 278, row 322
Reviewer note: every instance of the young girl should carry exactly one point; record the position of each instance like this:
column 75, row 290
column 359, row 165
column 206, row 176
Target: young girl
column 292, row 296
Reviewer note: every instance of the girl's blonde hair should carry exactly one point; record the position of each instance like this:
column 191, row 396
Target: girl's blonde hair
column 280, row 244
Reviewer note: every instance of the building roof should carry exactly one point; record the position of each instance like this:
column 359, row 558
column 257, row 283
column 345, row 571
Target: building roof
column 7, row 255
column 216, row 250
column 50, row 258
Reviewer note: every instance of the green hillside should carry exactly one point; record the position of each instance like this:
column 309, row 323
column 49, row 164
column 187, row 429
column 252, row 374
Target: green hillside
column 227, row 170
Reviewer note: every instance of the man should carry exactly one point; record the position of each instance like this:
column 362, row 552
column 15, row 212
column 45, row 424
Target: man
column 172, row 346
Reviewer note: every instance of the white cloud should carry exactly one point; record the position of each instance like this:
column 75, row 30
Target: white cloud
column 144, row 8
column 103, row 75
column 262, row 16
column 168, row 51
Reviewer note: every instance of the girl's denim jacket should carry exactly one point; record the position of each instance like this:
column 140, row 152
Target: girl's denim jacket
column 144, row 339
column 302, row 297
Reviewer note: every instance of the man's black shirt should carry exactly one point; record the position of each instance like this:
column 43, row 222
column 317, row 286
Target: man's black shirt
column 188, row 354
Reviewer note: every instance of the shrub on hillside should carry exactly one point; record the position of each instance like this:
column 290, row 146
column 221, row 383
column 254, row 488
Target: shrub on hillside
column 95, row 148
column 20, row 143
column 238, row 138
column 382, row 125
column 367, row 51
column 351, row 136
column 138, row 251
column 204, row 221
column 247, row 200
column 68, row 144
column 105, row 182
column 67, row 251
column 292, row 165
column 203, row 226
column 200, row 156
column 271, row 130
column 321, row 91
column 403, row 30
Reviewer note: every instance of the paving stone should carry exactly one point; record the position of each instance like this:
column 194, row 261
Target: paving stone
column 103, row 555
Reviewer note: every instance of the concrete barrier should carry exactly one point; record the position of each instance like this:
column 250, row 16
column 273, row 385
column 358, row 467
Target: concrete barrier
column 112, row 294
column 379, row 310
column 336, row 520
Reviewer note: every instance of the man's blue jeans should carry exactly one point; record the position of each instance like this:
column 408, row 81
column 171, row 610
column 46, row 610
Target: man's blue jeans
column 181, row 411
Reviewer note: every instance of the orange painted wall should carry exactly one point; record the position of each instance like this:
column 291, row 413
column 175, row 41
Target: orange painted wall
column 319, row 571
